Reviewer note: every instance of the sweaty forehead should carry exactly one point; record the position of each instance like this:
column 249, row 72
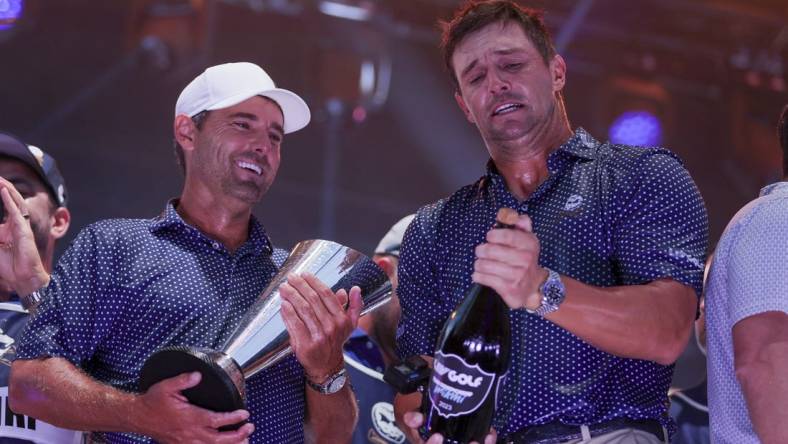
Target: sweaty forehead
column 495, row 38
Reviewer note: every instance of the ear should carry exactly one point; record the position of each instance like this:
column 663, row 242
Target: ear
column 558, row 72
column 463, row 107
column 388, row 264
column 184, row 130
column 61, row 219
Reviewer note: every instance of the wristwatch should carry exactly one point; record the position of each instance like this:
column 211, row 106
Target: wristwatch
column 553, row 294
column 333, row 384
column 30, row 301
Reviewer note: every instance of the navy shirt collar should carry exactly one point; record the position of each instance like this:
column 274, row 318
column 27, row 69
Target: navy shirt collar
column 581, row 146
column 257, row 243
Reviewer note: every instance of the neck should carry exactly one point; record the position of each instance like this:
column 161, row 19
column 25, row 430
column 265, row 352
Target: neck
column 218, row 217
column 523, row 162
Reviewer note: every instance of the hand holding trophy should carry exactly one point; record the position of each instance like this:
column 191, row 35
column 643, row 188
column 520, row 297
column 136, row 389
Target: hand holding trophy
column 261, row 339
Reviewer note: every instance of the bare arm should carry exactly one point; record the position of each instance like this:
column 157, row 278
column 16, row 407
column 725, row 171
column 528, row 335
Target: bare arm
column 55, row 391
column 330, row 418
column 760, row 344
column 318, row 327
column 651, row 321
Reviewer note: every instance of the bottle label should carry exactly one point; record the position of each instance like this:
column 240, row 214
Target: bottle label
column 457, row 388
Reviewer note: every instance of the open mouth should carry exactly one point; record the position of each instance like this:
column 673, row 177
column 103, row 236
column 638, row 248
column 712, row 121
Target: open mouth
column 251, row 167
column 506, row 108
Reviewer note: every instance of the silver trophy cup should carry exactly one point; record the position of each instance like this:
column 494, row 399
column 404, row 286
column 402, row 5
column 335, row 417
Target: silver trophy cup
column 261, row 339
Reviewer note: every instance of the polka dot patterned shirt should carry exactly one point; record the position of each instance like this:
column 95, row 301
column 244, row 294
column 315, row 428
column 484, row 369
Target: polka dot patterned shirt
column 747, row 277
column 126, row 288
column 607, row 215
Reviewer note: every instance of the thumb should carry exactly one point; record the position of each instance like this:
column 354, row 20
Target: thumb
column 356, row 304
column 524, row 223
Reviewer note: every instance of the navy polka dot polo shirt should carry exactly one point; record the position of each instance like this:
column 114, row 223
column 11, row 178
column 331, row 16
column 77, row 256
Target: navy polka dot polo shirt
column 607, row 215
column 126, row 288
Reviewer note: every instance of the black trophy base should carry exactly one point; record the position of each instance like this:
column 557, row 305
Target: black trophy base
column 216, row 391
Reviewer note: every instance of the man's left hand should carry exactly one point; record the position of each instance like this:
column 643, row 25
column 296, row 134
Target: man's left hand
column 509, row 264
column 318, row 323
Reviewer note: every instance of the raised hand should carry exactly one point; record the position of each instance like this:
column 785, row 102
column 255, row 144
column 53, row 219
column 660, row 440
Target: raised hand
column 21, row 267
column 318, row 323
column 509, row 263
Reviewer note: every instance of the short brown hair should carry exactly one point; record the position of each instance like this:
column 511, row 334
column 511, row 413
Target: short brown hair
column 476, row 14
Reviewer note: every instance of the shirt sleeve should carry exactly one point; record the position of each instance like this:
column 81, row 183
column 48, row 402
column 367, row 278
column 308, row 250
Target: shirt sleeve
column 756, row 275
column 76, row 312
column 423, row 311
column 661, row 229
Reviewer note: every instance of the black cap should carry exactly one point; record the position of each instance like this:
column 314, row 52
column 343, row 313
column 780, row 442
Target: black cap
column 42, row 163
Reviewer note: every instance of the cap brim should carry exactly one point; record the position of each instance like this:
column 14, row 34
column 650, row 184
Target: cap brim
column 295, row 111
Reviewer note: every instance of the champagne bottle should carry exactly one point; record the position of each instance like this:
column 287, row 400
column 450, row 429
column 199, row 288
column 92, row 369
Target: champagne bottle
column 471, row 360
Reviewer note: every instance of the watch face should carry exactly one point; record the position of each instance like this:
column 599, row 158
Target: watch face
column 337, row 384
column 554, row 293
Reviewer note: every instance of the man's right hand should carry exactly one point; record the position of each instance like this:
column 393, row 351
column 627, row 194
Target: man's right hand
column 409, row 419
column 20, row 263
column 167, row 416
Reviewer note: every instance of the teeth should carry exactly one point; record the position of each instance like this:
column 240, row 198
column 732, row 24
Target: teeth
column 506, row 108
column 251, row 166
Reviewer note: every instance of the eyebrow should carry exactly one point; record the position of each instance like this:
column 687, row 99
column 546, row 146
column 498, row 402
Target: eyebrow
column 244, row 115
column 253, row 117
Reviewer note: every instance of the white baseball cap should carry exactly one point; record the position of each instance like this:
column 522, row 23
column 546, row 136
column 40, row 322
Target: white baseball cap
column 229, row 84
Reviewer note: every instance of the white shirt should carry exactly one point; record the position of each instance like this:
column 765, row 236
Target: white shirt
column 749, row 275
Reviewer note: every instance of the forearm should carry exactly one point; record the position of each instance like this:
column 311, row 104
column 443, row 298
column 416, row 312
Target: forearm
column 760, row 344
column 331, row 418
column 55, row 391
column 765, row 388
column 651, row 321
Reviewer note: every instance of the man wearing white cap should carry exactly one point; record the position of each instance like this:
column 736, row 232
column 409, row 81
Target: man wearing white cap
column 129, row 287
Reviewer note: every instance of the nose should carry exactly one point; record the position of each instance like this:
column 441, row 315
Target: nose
column 261, row 143
column 497, row 83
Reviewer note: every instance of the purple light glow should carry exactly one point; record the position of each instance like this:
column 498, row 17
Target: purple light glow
column 640, row 128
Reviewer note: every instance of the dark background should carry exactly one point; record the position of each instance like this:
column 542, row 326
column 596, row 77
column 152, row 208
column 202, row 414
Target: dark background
column 95, row 83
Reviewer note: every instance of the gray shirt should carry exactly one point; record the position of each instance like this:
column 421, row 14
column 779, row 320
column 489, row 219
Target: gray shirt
column 748, row 276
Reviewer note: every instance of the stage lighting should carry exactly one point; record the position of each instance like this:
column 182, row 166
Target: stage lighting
column 10, row 13
column 168, row 32
column 636, row 127
column 357, row 12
